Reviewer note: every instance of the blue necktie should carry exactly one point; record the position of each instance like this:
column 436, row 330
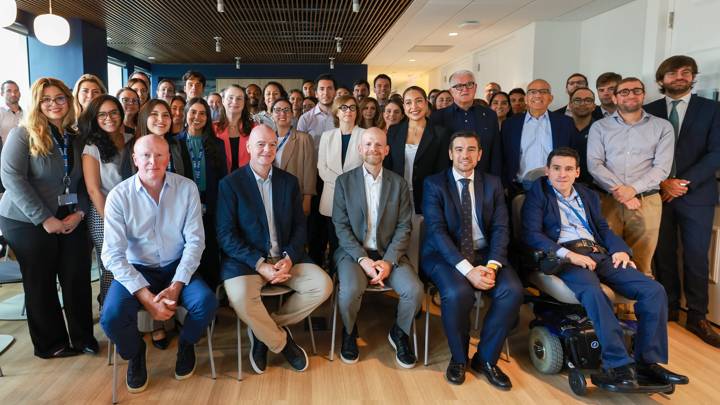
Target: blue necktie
column 674, row 119
column 466, row 237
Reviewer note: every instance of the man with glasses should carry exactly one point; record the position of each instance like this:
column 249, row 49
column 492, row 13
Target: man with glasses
column 575, row 81
column 629, row 154
column 462, row 115
column 490, row 90
column 529, row 138
column 10, row 112
column 606, row 84
column 582, row 107
column 690, row 194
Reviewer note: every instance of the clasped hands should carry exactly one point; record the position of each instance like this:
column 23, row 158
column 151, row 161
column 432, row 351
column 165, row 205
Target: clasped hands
column 377, row 270
column 618, row 258
column 162, row 306
column 64, row 226
column 625, row 195
column 673, row 188
column 481, row 277
column 276, row 273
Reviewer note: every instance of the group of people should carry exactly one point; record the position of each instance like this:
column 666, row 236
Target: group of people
column 253, row 187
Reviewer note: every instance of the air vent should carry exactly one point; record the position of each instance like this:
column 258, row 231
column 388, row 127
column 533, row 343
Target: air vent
column 430, row 48
column 469, row 24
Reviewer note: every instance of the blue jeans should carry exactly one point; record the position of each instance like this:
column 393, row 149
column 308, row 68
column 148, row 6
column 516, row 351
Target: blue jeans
column 119, row 316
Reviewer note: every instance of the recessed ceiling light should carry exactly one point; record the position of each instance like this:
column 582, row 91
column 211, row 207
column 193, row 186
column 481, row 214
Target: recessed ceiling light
column 151, row 57
column 453, row 34
column 411, row 60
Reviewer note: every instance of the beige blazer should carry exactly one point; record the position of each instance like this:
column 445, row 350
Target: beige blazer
column 298, row 159
column 330, row 163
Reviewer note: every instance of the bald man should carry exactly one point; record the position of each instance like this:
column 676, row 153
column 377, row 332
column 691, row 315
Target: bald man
column 371, row 214
column 154, row 239
column 261, row 232
column 529, row 138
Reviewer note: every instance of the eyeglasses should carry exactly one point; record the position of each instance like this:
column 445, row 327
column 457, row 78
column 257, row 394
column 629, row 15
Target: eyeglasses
column 580, row 101
column 460, row 86
column 112, row 114
column 59, row 100
column 346, row 108
column 626, row 92
column 577, row 83
column 278, row 110
column 130, row 100
column 535, row 92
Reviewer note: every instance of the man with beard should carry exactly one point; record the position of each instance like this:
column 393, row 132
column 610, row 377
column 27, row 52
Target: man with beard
column 382, row 86
column 690, row 194
column 629, row 154
column 361, row 89
column 10, row 114
column 254, row 94
column 605, row 85
column 582, row 107
column 573, row 82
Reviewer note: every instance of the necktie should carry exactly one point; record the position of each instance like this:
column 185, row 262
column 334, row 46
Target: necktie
column 675, row 121
column 466, row 238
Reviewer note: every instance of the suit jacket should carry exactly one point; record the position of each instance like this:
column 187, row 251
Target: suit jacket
column 441, row 208
column 298, row 159
column 350, row 216
column 213, row 172
column 486, row 127
column 541, row 219
column 431, row 157
column 330, row 164
column 697, row 151
column 563, row 134
column 242, row 227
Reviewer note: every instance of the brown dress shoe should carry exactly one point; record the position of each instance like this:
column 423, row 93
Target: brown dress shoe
column 704, row 331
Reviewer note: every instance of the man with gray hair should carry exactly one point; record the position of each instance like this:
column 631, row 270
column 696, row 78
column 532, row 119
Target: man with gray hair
column 462, row 115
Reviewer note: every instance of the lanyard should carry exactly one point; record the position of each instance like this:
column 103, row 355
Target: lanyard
column 196, row 160
column 583, row 221
column 66, row 161
column 282, row 143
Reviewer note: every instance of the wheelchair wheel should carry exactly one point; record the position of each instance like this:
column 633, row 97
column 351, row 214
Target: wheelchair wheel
column 578, row 385
column 545, row 350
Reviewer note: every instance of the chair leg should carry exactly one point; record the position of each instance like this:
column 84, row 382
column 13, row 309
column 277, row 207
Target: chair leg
column 239, row 349
column 507, row 351
column 210, row 352
column 334, row 325
column 312, row 335
column 478, row 305
column 114, row 377
column 110, row 353
column 427, row 326
column 414, row 337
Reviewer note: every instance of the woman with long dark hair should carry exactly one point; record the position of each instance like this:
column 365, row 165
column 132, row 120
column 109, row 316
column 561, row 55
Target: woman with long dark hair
column 370, row 114
column 500, row 103
column 207, row 155
column 155, row 118
column 271, row 92
column 234, row 127
column 130, row 102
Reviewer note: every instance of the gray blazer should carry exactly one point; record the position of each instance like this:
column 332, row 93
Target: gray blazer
column 33, row 183
column 394, row 215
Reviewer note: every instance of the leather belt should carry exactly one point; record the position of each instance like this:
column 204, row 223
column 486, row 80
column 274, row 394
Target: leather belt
column 584, row 246
column 639, row 195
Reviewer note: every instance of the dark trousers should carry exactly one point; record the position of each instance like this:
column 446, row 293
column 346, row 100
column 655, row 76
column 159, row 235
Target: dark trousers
column 695, row 226
column 457, row 296
column 651, row 343
column 43, row 257
column 119, row 316
column 317, row 234
column 209, row 268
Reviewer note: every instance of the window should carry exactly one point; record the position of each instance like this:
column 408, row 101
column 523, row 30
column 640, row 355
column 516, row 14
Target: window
column 115, row 77
column 13, row 47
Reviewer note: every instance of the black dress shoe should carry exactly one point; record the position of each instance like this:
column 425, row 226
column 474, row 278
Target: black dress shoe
column 258, row 353
column 294, row 354
column 400, row 341
column 91, row 347
column 618, row 379
column 137, row 377
column 656, row 372
column 162, row 343
column 59, row 353
column 185, row 363
column 349, row 352
column 704, row 331
column 673, row 315
column 455, row 373
column 492, row 372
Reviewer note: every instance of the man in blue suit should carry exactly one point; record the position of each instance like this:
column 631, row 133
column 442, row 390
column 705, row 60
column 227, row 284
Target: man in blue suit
column 462, row 115
column 562, row 217
column 690, row 193
column 528, row 138
column 465, row 250
column 261, row 231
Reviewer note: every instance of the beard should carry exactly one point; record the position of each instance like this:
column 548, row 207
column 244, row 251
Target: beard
column 677, row 87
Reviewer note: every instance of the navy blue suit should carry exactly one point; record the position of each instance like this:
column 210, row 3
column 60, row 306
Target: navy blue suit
column 441, row 253
column 242, row 227
column 563, row 130
column 541, row 230
column 486, row 126
column 697, row 158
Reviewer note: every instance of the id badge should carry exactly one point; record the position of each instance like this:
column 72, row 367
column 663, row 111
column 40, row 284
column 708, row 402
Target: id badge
column 67, row 199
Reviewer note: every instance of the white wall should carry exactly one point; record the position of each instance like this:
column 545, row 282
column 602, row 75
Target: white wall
column 557, row 53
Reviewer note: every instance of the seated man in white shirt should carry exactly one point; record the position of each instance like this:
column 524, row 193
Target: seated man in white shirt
column 153, row 242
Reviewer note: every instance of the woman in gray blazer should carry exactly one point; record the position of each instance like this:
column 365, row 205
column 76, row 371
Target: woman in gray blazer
column 41, row 216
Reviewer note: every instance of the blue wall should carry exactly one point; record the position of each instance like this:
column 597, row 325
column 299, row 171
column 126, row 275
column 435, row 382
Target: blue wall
column 345, row 74
column 130, row 62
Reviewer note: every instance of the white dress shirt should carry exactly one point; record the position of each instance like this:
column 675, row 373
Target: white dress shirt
column 373, row 188
column 265, row 187
column 140, row 231
column 315, row 122
column 681, row 107
column 8, row 121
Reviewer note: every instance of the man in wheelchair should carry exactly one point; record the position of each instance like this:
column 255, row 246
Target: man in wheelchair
column 563, row 219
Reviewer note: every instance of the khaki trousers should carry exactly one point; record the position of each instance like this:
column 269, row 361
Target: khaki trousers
column 311, row 286
column 639, row 228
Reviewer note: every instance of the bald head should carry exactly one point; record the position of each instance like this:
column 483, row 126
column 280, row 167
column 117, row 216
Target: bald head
column 151, row 141
column 151, row 155
column 373, row 147
column 262, row 146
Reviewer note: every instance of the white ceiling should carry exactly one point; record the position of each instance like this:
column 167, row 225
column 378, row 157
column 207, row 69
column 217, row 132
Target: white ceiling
column 428, row 22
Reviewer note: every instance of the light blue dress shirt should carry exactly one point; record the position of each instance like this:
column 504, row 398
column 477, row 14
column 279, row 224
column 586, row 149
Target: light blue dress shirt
column 536, row 143
column 571, row 227
column 140, row 231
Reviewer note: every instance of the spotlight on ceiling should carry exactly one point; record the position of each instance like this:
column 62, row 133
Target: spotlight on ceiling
column 218, row 48
column 220, row 6
column 338, row 44
column 332, row 63
column 356, row 6
column 237, row 62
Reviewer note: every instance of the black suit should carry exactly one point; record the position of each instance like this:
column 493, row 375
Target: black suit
column 431, row 156
column 697, row 158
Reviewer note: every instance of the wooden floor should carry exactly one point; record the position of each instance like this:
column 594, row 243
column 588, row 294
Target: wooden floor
column 375, row 379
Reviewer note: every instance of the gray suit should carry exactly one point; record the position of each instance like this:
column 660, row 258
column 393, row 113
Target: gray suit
column 393, row 236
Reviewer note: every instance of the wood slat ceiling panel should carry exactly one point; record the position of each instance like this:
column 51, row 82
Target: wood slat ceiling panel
column 269, row 31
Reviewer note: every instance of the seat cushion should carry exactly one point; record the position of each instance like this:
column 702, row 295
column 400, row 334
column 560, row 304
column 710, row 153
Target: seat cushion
column 556, row 288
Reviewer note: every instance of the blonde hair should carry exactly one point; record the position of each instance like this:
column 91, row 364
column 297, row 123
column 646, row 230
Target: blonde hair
column 339, row 101
column 37, row 124
column 87, row 77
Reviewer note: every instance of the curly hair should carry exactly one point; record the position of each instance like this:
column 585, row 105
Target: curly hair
column 92, row 133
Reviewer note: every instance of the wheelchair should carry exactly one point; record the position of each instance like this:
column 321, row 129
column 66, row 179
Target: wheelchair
column 561, row 334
